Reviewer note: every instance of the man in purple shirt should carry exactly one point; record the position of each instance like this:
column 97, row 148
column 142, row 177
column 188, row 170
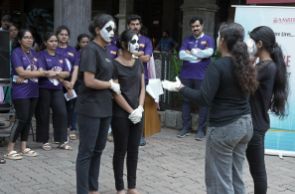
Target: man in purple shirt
column 145, row 50
column 113, row 48
column 195, row 52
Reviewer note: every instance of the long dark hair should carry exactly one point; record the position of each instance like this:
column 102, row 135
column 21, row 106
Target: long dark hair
column 233, row 35
column 45, row 38
column 19, row 37
column 281, row 89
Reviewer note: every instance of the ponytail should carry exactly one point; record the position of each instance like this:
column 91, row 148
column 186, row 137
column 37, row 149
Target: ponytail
column 244, row 71
column 281, row 89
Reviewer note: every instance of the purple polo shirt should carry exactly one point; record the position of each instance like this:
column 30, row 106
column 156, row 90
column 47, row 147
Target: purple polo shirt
column 196, row 70
column 28, row 61
column 68, row 53
column 145, row 45
column 55, row 63
column 113, row 48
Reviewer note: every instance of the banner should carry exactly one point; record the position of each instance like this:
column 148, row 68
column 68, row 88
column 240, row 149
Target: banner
column 282, row 21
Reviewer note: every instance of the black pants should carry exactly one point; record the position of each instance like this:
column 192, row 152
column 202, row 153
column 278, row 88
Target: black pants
column 93, row 137
column 24, row 110
column 126, row 139
column 51, row 99
column 255, row 156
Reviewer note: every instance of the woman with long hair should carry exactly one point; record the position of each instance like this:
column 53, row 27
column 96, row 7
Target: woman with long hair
column 225, row 90
column 128, row 106
column 25, row 92
column 271, row 94
column 51, row 96
column 94, row 103
column 69, row 53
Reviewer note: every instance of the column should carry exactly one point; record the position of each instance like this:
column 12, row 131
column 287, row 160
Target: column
column 75, row 14
column 203, row 8
column 125, row 8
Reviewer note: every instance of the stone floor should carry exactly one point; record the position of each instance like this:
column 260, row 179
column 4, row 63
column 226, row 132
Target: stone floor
column 167, row 165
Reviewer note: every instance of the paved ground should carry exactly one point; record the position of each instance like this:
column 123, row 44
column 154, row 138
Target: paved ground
column 167, row 165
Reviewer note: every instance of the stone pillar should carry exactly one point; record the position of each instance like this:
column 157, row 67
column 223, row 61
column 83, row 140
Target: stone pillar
column 125, row 8
column 75, row 14
column 203, row 8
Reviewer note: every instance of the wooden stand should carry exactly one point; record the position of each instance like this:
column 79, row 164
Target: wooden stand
column 152, row 123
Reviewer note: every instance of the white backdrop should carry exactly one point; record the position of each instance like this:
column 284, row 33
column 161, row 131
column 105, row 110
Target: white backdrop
column 282, row 21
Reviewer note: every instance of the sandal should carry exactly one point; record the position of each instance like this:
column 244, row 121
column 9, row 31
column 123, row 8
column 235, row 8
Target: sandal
column 46, row 146
column 29, row 152
column 65, row 146
column 2, row 161
column 13, row 155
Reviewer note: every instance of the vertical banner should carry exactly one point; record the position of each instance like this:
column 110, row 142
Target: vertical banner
column 282, row 21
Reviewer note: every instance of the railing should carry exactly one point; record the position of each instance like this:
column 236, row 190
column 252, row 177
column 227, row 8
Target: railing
column 167, row 67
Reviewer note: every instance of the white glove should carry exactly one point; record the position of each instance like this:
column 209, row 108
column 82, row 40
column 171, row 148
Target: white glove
column 115, row 87
column 135, row 116
column 172, row 86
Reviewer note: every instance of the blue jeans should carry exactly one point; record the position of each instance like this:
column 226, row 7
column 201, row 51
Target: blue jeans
column 93, row 137
column 186, row 108
column 225, row 155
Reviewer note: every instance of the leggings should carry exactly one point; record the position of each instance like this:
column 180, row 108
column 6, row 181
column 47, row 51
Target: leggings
column 126, row 140
column 24, row 109
column 255, row 156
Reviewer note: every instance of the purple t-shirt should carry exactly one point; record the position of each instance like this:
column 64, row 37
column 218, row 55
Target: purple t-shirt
column 196, row 70
column 69, row 53
column 55, row 63
column 28, row 61
column 145, row 45
column 112, row 48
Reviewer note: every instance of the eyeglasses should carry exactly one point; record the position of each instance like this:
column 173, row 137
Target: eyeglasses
column 28, row 38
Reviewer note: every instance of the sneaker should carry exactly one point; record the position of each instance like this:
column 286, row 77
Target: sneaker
column 182, row 133
column 200, row 136
column 142, row 141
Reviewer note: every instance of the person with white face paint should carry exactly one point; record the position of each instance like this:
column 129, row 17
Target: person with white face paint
column 144, row 54
column 128, row 111
column 94, row 103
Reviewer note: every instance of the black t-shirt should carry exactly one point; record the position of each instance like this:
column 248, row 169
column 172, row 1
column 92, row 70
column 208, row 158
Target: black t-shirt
column 129, row 79
column 93, row 102
column 220, row 91
column 260, row 102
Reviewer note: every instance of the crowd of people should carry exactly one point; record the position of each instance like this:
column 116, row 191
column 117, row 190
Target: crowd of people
column 101, row 84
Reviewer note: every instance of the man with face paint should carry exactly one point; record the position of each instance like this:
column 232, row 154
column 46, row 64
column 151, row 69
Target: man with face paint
column 195, row 52
column 94, row 103
column 144, row 54
column 128, row 110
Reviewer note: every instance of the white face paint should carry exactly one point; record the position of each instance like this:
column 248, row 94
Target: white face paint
column 133, row 45
column 108, row 31
column 251, row 45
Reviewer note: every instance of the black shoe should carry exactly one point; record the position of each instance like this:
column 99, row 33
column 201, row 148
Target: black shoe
column 183, row 133
column 200, row 136
column 142, row 141
column 2, row 161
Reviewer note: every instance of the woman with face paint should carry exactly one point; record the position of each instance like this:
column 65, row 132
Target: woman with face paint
column 69, row 53
column 271, row 94
column 127, row 113
column 25, row 71
column 226, row 88
column 94, row 103
column 51, row 96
